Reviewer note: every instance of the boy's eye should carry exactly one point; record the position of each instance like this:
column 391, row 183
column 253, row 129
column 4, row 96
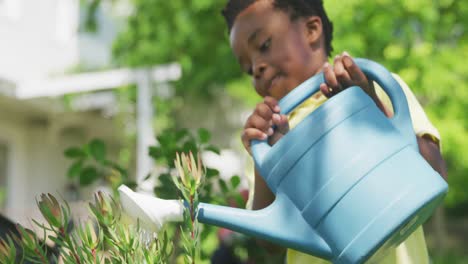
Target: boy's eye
column 265, row 45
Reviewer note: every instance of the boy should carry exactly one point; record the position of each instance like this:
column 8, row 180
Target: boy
column 282, row 43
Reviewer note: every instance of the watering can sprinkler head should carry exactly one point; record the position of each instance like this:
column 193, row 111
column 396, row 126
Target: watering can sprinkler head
column 152, row 212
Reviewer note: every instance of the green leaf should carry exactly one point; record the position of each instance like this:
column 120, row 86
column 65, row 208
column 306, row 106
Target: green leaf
column 155, row 152
column 180, row 134
column 213, row 149
column 165, row 139
column 223, row 186
column 190, row 146
column 166, row 188
column 131, row 184
column 75, row 169
column 48, row 215
column 117, row 167
column 74, row 152
column 210, row 173
column 239, row 200
column 235, row 181
column 203, row 135
column 88, row 175
column 147, row 177
column 97, row 148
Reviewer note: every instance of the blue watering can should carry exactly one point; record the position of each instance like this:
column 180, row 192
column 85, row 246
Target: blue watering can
column 350, row 183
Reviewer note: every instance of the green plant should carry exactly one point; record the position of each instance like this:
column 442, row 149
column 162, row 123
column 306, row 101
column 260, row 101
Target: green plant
column 91, row 164
column 214, row 189
column 103, row 238
column 7, row 250
column 106, row 238
column 172, row 141
column 191, row 175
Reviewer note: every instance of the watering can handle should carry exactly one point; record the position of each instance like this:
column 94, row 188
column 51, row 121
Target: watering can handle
column 374, row 71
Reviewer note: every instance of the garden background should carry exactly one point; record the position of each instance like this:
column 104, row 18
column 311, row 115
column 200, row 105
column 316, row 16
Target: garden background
column 425, row 42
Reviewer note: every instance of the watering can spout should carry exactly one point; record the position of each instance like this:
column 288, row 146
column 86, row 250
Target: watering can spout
column 281, row 223
column 152, row 212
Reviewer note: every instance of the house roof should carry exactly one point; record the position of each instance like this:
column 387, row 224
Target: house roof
column 85, row 82
column 41, row 95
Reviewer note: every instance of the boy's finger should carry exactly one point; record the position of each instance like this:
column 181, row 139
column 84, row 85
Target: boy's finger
column 257, row 122
column 281, row 123
column 249, row 134
column 279, row 120
column 253, row 133
column 330, row 78
column 325, row 90
column 272, row 103
column 264, row 111
column 354, row 71
column 341, row 73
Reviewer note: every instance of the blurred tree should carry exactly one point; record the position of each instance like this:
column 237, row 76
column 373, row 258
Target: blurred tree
column 422, row 42
column 190, row 32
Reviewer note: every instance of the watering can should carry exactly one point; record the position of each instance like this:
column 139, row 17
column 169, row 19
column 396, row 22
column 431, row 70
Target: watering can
column 349, row 182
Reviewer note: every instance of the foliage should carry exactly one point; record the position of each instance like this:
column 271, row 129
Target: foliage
column 190, row 178
column 423, row 43
column 90, row 164
column 189, row 32
column 101, row 239
column 172, row 141
column 106, row 239
column 214, row 189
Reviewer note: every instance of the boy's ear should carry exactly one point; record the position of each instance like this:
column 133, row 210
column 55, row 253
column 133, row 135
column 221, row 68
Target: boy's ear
column 314, row 29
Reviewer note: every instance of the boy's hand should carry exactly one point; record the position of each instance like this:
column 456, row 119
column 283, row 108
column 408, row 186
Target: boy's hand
column 260, row 123
column 344, row 73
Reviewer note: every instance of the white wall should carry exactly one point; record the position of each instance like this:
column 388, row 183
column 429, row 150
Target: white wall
column 14, row 136
column 36, row 142
column 45, row 165
column 39, row 40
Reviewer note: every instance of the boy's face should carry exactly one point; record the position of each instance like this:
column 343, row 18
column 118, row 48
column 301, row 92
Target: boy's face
column 278, row 53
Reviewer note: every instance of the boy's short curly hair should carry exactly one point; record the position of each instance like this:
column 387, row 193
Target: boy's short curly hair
column 296, row 8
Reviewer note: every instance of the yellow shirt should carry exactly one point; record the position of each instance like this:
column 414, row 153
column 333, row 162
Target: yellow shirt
column 413, row 250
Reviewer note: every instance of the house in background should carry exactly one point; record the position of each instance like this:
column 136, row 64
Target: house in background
column 39, row 43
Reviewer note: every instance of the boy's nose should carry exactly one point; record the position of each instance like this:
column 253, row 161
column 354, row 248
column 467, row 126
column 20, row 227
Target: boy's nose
column 258, row 70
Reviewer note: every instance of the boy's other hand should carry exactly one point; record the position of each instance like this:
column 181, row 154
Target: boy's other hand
column 343, row 74
column 260, row 123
